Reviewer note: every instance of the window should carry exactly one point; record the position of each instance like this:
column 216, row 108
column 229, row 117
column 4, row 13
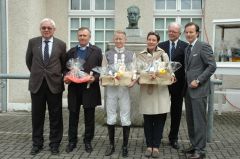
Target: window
column 98, row 15
column 181, row 11
column 178, row 4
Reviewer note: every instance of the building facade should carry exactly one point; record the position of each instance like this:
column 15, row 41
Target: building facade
column 102, row 17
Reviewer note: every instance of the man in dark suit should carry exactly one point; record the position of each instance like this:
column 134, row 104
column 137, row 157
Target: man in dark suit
column 80, row 94
column 45, row 59
column 175, row 47
column 199, row 67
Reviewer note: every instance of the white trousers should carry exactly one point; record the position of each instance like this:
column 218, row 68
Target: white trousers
column 118, row 96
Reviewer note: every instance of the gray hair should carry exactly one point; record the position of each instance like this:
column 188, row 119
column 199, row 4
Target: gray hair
column 48, row 20
column 176, row 24
column 119, row 32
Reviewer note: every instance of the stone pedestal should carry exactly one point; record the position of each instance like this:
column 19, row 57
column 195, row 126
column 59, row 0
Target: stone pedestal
column 136, row 43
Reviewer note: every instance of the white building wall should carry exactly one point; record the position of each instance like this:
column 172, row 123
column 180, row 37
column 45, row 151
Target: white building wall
column 23, row 23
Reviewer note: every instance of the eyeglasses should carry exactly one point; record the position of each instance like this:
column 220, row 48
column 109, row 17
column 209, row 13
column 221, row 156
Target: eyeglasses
column 46, row 28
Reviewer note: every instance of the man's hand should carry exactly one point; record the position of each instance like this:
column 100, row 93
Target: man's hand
column 194, row 84
column 66, row 80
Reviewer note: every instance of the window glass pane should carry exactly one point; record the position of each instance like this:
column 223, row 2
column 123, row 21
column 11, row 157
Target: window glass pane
column 110, row 4
column 160, row 4
column 171, row 4
column 159, row 23
column 184, row 21
column 196, row 4
column 75, row 4
column 85, row 4
column 169, row 20
column 99, row 4
column 161, row 34
column 109, row 35
column 101, row 45
column 109, row 23
column 73, row 35
column 185, row 4
column 198, row 21
column 73, row 44
column 74, row 23
column 99, row 23
column 85, row 22
column 99, row 35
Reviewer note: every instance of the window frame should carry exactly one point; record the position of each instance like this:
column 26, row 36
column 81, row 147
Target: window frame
column 92, row 14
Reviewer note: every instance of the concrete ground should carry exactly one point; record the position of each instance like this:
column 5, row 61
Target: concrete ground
column 15, row 139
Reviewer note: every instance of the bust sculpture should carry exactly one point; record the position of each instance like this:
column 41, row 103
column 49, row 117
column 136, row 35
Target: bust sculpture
column 133, row 17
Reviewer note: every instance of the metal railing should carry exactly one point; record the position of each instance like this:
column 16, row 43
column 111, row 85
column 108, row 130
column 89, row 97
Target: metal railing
column 3, row 85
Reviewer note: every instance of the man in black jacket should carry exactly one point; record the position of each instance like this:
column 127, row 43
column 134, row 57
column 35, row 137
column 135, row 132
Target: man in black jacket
column 80, row 94
column 174, row 47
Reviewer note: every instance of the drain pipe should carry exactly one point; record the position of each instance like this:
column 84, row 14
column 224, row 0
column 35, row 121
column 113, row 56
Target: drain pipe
column 3, row 39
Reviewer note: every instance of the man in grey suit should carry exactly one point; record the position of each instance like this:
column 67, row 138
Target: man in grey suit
column 199, row 67
column 45, row 59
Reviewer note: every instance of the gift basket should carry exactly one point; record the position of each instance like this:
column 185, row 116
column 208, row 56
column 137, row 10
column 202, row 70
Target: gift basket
column 76, row 73
column 154, row 71
column 117, row 74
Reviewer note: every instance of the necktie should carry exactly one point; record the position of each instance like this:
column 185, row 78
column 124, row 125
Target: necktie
column 172, row 50
column 46, row 52
column 188, row 52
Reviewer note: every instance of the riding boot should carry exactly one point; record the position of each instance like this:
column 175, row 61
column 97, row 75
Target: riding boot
column 126, row 131
column 111, row 134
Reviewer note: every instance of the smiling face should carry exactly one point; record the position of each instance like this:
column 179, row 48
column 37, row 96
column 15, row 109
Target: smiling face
column 191, row 33
column 84, row 37
column 173, row 32
column 152, row 42
column 47, row 29
column 119, row 40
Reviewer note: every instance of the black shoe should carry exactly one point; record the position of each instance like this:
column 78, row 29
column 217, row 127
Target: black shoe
column 197, row 155
column 70, row 147
column 110, row 150
column 88, row 147
column 35, row 150
column 174, row 144
column 54, row 150
column 124, row 151
column 189, row 150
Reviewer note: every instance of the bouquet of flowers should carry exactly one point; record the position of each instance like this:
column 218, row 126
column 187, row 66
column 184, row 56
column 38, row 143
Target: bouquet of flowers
column 76, row 73
column 156, row 72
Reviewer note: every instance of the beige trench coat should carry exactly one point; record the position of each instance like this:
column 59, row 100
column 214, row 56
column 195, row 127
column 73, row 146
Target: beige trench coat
column 154, row 99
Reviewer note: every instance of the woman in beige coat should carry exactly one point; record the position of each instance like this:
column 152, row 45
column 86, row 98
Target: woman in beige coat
column 154, row 100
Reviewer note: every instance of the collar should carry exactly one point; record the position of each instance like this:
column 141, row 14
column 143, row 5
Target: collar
column 194, row 42
column 119, row 50
column 175, row 42
column 51, row 39
column 83, row 47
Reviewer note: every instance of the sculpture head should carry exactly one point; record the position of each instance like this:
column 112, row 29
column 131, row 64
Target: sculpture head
column 133, row 17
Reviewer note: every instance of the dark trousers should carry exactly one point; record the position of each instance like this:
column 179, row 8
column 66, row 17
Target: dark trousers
column 153, row 129
column 176, row 114
column 89, row 120
column 54, row 102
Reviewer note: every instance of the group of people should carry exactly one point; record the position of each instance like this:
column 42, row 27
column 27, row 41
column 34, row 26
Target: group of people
column 46, row 60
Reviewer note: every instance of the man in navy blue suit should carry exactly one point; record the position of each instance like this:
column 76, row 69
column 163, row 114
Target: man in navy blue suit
column 175, row 47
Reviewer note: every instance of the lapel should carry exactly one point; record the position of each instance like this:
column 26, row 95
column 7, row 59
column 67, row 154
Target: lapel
column 54, row 46
column 89, row 50
column 39, row 49
column 194, row 51
column 178, row 47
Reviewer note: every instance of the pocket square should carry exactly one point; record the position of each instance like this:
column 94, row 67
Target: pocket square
column 195, row 54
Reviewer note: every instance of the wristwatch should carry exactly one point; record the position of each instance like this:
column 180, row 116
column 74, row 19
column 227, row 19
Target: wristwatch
column 197, row 81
